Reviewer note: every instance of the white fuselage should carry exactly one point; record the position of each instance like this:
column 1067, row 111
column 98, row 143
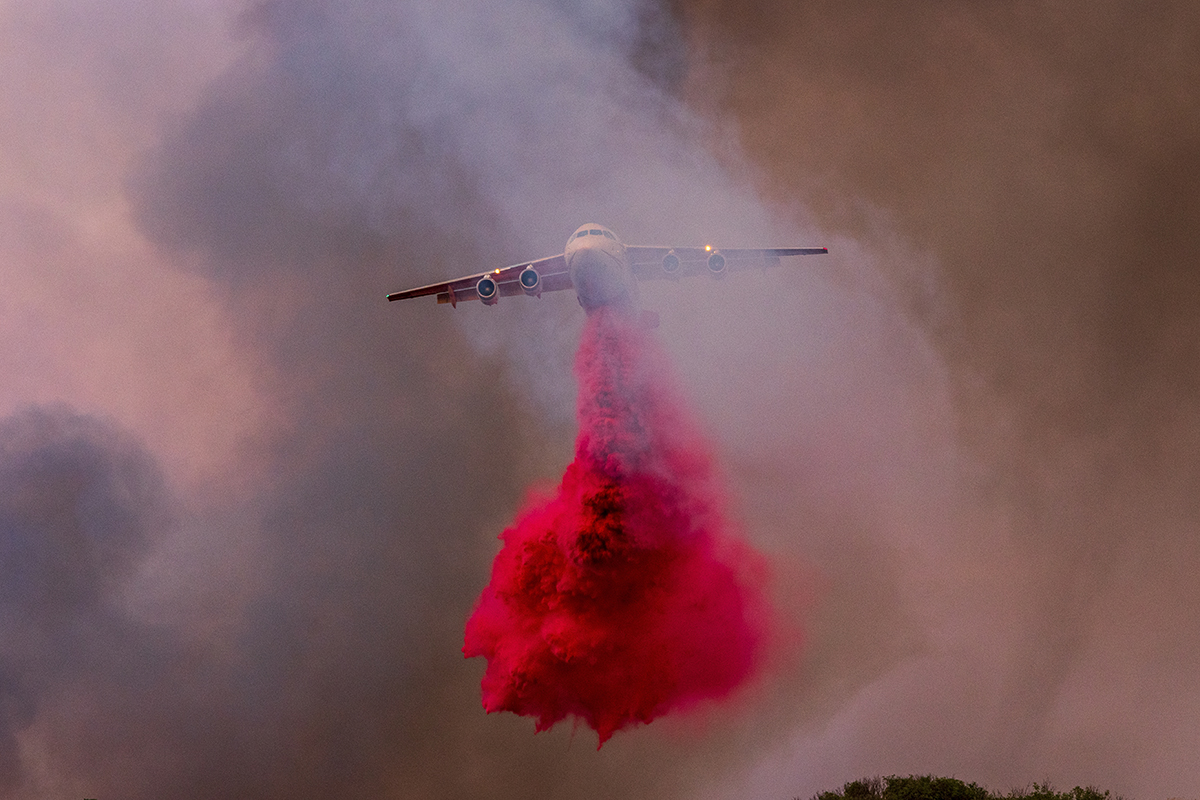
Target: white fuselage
column 599, row 269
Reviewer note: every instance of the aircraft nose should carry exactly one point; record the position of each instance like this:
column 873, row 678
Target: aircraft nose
column 597, row 281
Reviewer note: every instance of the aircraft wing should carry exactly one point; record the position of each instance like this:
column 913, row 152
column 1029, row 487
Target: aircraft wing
column 647, row 262
column 552, row 269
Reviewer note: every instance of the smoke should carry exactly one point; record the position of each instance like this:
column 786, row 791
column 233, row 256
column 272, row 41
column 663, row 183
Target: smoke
column 201, row 255
column 971, row 426
column 622, row 597
column 1044, row 161
column 80, row 503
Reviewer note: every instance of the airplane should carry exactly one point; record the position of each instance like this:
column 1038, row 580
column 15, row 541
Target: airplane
column 602, row 271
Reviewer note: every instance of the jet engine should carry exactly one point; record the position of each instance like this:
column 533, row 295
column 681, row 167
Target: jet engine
column 488, row 291
column 531, row 281
column 670, row 263
column 716, row 263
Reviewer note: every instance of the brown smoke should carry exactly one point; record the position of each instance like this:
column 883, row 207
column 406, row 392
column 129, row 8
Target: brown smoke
column 1047, row 159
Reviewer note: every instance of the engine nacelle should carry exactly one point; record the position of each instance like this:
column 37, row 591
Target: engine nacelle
column 670, row 263
column 716, row 263
column 531, row 282
column 488, row 290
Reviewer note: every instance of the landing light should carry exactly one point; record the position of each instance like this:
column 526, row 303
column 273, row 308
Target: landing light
column 707, row 247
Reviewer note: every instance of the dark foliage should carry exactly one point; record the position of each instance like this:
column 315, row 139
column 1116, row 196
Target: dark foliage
column 927, row 787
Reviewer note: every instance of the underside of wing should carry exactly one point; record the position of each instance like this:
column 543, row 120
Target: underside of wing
column 676, row 262
column 543, row 275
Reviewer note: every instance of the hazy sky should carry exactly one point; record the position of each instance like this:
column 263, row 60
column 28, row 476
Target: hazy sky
column 246, row 505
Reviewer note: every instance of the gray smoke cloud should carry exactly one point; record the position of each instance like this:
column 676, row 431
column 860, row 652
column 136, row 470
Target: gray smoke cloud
column 78, row 503
column 965, row 435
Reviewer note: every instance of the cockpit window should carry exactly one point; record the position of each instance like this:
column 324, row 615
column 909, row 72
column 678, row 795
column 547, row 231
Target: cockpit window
column 581, row 234
column 609, row 235
column 595, row 232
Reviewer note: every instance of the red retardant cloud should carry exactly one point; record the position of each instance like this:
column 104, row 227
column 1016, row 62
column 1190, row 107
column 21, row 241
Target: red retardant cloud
column 623, row 596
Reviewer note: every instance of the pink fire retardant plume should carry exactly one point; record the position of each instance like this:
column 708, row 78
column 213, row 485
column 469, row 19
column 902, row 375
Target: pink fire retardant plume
column 623, row 596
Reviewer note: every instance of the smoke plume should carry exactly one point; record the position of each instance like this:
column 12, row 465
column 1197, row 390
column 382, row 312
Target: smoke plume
column 248, row 505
